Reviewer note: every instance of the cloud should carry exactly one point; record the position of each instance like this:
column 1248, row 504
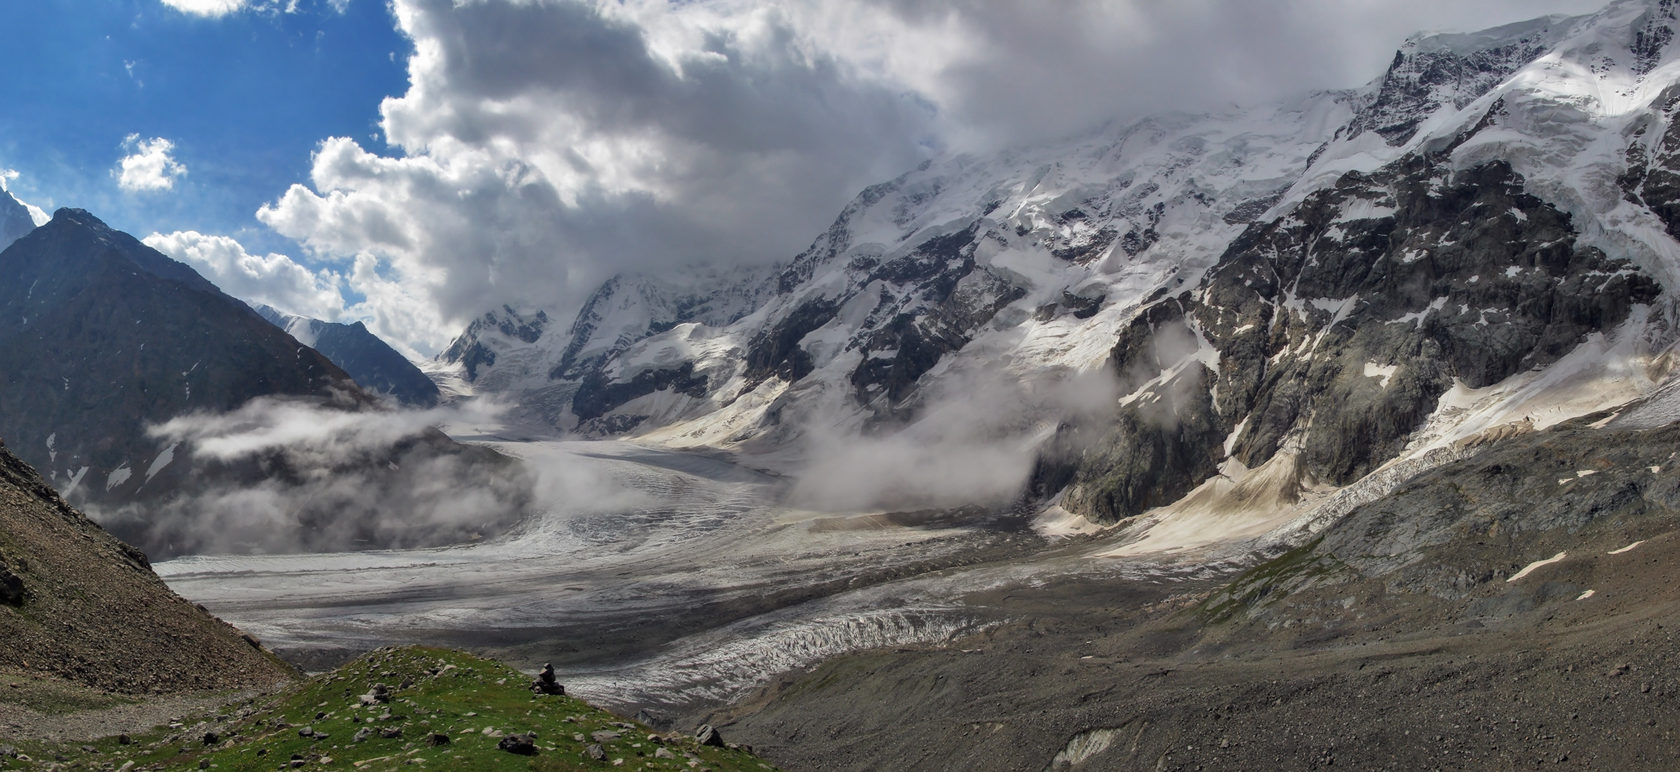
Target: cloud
column 210, row 8
column 214, row 9
column 545, row 145
column 273, row 279
column 148, row 165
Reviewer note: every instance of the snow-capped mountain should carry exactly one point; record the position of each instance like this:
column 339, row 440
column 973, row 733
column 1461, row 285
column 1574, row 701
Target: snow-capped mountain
column 1289, row 296
column 372, row 362
column 14, row 219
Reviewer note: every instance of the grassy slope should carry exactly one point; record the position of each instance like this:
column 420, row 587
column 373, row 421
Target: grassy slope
column 447, row 692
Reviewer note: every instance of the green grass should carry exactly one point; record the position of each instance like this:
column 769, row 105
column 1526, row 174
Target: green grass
column 1257, row 584
column 431, row 691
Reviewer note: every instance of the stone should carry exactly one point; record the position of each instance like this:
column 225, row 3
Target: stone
column 437, row 738
column 519, row 744
column 596, row 752
column 708, row 735
column 378, row 695
column 362, row 735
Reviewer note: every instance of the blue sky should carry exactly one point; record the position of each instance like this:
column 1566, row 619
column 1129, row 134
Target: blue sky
column 244, row 98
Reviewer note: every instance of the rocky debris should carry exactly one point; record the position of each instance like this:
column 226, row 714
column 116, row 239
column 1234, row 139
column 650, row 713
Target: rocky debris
column 595, row 752
column 654, row 719
column 12, row 591
column 708, row 735
column 546, row 683
column 519, row 744
column 96, row 614
column 604, row 735
column 380, row 694
column 362, row 735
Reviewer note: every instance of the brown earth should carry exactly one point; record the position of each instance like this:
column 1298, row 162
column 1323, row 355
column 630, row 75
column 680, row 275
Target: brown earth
column 85, row 609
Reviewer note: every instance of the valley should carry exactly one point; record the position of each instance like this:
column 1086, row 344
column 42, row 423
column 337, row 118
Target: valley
column 1336, row 428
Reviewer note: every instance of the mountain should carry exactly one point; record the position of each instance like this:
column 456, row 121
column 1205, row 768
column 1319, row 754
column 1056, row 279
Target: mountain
column 1288, row 297
column 371, row 362
column 101, row 335
column 123, row 373
column 79, row 607
column 14, row 219
column 568, row 376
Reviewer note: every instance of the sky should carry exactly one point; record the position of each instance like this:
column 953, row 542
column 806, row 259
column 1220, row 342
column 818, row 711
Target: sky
column 414, row 163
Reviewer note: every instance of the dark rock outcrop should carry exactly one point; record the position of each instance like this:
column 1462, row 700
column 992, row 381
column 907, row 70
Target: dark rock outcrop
column 1337, row 327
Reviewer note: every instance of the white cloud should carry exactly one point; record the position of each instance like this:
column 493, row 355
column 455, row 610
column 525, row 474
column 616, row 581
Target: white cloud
column 211, row 8
column 274, row 279
column 148, row 165
column 546, row 144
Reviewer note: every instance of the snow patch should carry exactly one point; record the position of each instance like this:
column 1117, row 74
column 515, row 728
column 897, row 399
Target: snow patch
column 1383, row 373
column 1627, row 549
column 163, row 459
column 118, row 477
column 1536, row 565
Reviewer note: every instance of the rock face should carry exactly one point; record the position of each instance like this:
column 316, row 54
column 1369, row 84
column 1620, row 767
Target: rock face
column 371, row 362
column 1305, row 288
column 1335, row 337
column 90, row 610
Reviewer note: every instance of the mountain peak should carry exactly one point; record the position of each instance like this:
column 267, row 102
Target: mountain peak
column 15, row 221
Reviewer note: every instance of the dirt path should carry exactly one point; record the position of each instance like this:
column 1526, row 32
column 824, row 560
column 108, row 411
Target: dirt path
column 18, row 722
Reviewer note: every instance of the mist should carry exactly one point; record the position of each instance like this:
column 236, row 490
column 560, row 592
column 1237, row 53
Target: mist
column 974, row 442
column 292, row 475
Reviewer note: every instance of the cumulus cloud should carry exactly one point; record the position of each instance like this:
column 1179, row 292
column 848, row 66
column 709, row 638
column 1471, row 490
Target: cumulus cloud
column 273, row 279
column 149, row 165
column 545, row 145
column 548, row 145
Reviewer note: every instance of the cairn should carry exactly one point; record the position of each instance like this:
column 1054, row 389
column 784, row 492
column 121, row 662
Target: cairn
column 546, row 683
